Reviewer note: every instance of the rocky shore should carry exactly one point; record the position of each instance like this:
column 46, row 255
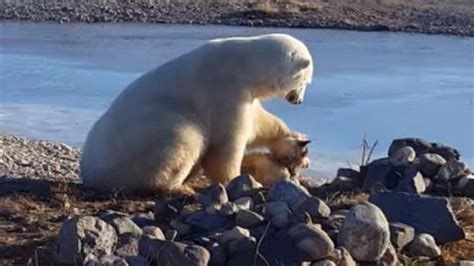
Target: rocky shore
column 414, row 206
column 437, row 17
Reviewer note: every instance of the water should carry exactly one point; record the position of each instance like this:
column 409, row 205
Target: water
column 55, row 81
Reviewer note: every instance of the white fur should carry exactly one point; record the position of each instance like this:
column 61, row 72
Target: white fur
column 199, row 110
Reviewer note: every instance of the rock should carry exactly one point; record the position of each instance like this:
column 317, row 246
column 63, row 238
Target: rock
column 173, row 253
column 430, row 164
column 241, row 186
column 82, row 236
column 154, row 232
column 202, row 221
column 389, row 258
column 334, row 221
column 108, row 260
column 244, row 203
column 349, row 173
column 446, row 152
column 171, row 234
column 413, row 183
column 143, row 219
column 289, row 192
column 279, row 213
column 420, row 211
column 127, row 246
column 365, row 232
column 244, row 257
column 452, row 170
column 236, row 232
column 312, row 242
column 403, row 157
column 424, row 245
column 214, row 194
column 419, row 145
column 323, row 263
column 240, row 244
column 258, row 198
column 401, row 234
column 108, row 215
column 218, row 255
column 125, row 225
column 228, row 209
column 182, row 228
column 341, row 257
column 380, row 175
column 467, row 188
column 315, row 207
column 213, row 209
column 343, row 183
column 281, row 248
column 164, row 210
column 247, row 218
column 137, row 261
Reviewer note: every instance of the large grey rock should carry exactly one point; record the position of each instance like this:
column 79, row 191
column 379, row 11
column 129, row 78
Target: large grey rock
column 424, row 245
column 403, row 157
column 203, row 221
column 315, row 207
column 365, row 232
column 127, row 246
column 83, row 236
column 241, row 186
column 290, row 192
column 420, row 211
column 430, row 164
column 452, row 170
column 247, row 219
column 342, row 257
column 167, row 253
column 312, row 242
column 281, row 248
column 401, row 234
column 214, row 194
column 381, row 175
column 412, row 183
column 125, row 225
column 154, row 232
column 279, row 213
column 446, row 152
column 419, row 145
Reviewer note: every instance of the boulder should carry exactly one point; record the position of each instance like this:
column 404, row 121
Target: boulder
column 389, row 258
column 430, row 164
column 412, row 183
column 402, row 157
column 214, row 194
column 315, row 207
column 280, row 247
column 154, row 232
column 127, row 246
column 241, row 186
column 401, row 234
column 247, row 218
column 419, row 145
column 446, row 152
column 83, row 236
column 167, row 253
column 381, row 175
column 424, row 245
column 419, row 211
column 365, row 232
column 125, row 225
column 279, row 213
column 312, row 242
column 203, row 221
column 290, row 192
column 452, row 170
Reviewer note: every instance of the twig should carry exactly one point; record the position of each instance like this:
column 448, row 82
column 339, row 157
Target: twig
column 364, row 148
column 259, row 243
column 371, row 151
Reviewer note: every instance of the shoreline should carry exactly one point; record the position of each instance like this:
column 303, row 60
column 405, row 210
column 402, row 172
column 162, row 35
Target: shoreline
column 442, row 17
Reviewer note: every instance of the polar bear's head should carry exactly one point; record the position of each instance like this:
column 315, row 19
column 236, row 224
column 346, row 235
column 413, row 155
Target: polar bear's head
column 272, row 65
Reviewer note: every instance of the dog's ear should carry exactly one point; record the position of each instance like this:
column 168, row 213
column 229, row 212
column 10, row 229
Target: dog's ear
column 303, row 143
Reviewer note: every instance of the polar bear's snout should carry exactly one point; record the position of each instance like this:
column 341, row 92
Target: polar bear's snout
column 295, row 96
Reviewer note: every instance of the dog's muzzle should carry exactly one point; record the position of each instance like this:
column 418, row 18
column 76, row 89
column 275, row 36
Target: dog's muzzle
column 293, row 98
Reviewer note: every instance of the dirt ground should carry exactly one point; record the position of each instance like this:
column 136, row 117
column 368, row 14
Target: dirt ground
column 31, row 212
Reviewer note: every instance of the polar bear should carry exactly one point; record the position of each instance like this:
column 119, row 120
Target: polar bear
column 198, row 111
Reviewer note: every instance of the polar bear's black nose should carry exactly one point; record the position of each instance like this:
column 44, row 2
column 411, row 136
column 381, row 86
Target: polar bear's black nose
column 293, row 98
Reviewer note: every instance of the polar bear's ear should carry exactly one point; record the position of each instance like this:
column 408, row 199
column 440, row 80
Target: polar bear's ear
column 300, row 64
